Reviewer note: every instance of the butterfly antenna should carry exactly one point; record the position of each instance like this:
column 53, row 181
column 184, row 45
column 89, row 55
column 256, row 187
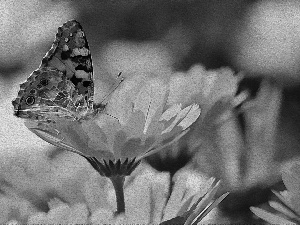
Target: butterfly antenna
column 112, row 116
column 112, row 91
column 106, row 97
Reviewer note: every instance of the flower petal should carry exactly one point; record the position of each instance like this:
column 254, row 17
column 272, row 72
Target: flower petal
column 53, row 139
column 270, row 217
column 284, row 210
column 285, row 197
column 199, row 214
column 191, row 117
column 195, row 112
column 187, row 184
column 291, row 176
column 150, row 99
column 154, row 148
column 202, row 202
column 171, row 112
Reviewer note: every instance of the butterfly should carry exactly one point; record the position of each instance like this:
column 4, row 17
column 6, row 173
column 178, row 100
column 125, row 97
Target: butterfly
column 62, row 87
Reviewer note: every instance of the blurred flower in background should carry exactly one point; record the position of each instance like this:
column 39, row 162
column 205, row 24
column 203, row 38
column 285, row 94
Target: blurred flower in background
column 288, row 208
column 224, row 137
column 246, row 154
column 31, row 179
column 151, row 197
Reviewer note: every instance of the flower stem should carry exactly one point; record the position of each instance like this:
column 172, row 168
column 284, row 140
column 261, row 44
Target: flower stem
column 118, row 182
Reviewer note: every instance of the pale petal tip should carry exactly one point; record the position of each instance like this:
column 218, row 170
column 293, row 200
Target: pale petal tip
column 191, row 117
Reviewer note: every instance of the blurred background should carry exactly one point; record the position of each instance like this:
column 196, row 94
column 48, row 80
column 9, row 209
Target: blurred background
column 259, row 38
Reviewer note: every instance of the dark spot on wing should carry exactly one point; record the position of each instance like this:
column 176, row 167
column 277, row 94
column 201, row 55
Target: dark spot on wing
column 86, row 83
column 75, row 80
column 44, row 82
column 82, row 67
column 86, row 45
column 83, row 61
column 59, row 96
column 65, row 54
column 32, row 91
column 30, row 100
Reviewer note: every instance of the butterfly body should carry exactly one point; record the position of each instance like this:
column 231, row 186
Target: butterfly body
column 63, row 84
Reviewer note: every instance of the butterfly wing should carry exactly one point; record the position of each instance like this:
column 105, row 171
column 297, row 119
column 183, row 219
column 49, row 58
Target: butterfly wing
column 70, row 54
column 63, row 84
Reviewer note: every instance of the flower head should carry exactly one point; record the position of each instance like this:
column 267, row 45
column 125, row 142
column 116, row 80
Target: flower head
column 139, row 119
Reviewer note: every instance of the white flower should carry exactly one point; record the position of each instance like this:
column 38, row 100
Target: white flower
column 139, row 120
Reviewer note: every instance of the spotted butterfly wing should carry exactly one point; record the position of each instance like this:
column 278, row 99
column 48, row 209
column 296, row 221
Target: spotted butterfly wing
column 63, row 85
